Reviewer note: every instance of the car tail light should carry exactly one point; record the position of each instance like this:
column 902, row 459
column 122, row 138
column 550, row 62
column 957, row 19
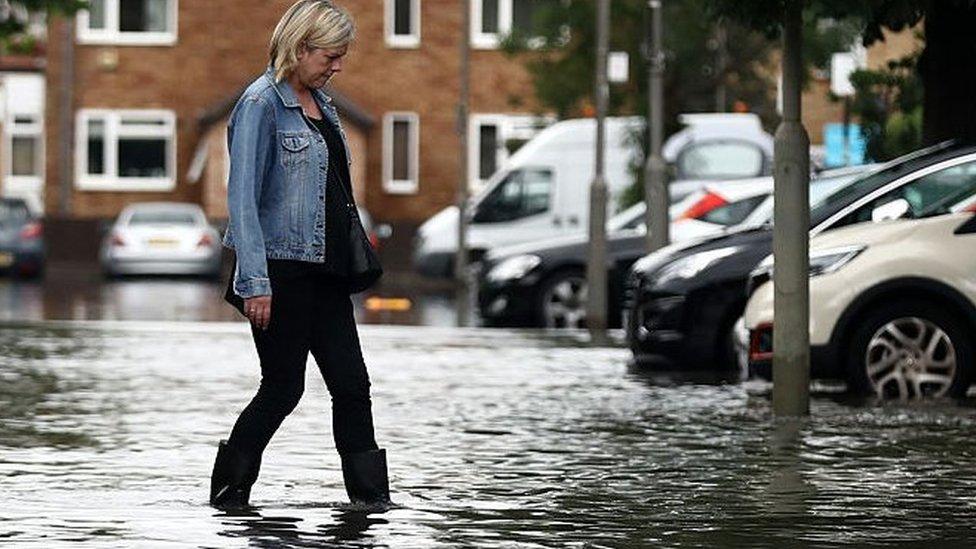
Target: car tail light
column 970, row 208
column 116, row 240
column 706, row 204
column 374, row 240
column 205, row 240
column 761, row 343
column 31, row 231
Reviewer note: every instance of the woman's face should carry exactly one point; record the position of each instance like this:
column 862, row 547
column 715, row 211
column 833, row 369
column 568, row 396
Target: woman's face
column 317, row 65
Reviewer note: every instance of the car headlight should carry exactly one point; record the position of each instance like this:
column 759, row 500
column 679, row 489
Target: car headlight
column 513, row 267
column 822, row 262
column 690, row 266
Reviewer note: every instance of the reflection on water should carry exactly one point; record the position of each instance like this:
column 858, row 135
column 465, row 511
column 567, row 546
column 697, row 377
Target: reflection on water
column 496, row 438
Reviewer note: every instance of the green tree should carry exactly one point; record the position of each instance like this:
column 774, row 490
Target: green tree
column 946, row 66
column 888, row 102
column 14, row 19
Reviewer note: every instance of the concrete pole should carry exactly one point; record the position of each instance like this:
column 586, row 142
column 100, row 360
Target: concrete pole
column 463, row 294
column 791, row 331
column 596, row 267
column 656, row 197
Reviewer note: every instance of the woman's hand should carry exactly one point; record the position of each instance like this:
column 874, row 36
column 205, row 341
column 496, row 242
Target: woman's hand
column 258, row 310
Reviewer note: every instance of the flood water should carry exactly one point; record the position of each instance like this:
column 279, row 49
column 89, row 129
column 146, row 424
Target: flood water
column 500, row 439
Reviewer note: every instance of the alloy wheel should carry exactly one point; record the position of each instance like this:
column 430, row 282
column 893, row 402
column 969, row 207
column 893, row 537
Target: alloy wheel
column 564, row 303
column 910, row 358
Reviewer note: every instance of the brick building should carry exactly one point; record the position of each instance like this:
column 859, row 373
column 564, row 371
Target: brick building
column 146, row 87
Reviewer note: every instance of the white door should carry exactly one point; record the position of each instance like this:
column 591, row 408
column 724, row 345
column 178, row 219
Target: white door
column 519, row 209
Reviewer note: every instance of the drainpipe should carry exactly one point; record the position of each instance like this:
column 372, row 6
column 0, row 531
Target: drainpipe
column 66, row 117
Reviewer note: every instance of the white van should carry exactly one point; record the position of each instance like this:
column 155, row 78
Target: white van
column 543, row 190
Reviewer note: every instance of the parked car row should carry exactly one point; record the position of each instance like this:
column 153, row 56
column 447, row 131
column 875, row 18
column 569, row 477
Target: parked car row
column 542, row 191
column 893, row 309
column 543, row 283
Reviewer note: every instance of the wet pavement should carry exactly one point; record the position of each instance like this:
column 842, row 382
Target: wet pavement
column 82, row 293
column 496, row 439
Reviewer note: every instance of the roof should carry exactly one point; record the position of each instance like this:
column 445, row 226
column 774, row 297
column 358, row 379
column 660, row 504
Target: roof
column 348, row 109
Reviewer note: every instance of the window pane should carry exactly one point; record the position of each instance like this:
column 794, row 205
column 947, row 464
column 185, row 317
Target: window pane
column 162, row 218
column 142, row 15
column 524, row 14
column 96, row 147
column 24, row 156
column 401, row 150
column 720, row 160
column 536, row 185
column 489, row 16
column 142, row 157
column 488, row 151
column 96, row 14
column 401, row 17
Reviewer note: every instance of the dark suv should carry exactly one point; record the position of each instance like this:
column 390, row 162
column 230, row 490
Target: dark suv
column 21, row 239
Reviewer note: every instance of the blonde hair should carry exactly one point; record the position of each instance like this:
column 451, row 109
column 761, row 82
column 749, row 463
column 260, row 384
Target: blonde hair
column 308, row 24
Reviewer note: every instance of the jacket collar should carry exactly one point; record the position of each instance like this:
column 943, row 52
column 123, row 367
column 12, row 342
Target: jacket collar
column 287, row 95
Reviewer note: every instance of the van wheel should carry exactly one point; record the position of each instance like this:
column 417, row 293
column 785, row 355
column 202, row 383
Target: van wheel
column 562, row 300
column 910, row 350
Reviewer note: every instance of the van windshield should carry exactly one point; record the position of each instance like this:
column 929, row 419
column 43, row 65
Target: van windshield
column 524, row 192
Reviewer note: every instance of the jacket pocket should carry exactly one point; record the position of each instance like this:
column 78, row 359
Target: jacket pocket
column 294, row 148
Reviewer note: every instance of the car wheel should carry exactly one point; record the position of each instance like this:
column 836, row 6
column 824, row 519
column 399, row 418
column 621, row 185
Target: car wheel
column 562, row 300
column 910, row 350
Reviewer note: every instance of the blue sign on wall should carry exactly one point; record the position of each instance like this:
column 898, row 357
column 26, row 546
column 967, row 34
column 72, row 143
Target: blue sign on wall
column 843, row 152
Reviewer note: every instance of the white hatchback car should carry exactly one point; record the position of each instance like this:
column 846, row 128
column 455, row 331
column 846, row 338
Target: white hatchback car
column 892, row 305
column 161, row 238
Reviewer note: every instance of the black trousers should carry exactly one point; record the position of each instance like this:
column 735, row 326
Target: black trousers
column 308, row 313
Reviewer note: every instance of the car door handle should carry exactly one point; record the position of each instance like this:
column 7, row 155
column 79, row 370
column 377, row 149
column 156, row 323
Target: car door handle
column 557, row 221
column 573, row 220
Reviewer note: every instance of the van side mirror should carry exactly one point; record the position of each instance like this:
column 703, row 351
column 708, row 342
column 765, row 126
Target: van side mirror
column 896, row 209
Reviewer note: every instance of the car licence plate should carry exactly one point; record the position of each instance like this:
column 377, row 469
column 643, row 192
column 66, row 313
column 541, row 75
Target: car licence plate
column 162, row 243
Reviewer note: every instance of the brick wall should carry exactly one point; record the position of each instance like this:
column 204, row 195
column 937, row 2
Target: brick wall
column 222, row 45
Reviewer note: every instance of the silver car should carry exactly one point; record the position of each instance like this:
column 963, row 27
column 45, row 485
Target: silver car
column 161, row 238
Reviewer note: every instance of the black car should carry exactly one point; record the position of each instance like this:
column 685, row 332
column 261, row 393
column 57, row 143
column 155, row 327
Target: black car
column 543, row 283
column 682, row 302
column 21, row 239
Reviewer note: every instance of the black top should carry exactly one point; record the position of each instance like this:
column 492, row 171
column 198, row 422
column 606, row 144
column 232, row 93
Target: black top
column 337, row 215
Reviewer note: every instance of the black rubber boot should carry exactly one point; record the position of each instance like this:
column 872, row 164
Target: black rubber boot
column 366, row 479
column 233, row 475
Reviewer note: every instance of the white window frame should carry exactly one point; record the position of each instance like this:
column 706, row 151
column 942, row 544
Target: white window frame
column 509, row 126
column 402, row 41
column 401, row 186
column 110, row 181
column 34, row 129
column 112, row 35
column 491, row 40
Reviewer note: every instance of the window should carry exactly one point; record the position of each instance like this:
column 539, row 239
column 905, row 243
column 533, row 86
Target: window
column 25, row 146
column 402, row 23
column 128, row 22
column 128, row 150
column 401, row 136
column 720, row 160
column 492, row 138
column 733, row 213
column 524, row 192
column 929, row 195
column 491, row 20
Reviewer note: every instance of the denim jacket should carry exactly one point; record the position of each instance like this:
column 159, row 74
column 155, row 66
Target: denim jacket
column 276, row 186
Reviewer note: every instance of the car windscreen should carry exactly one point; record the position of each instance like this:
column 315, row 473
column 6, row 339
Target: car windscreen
column 13, row 213
column 819, row 190
column 720, row 160
column 162, row 217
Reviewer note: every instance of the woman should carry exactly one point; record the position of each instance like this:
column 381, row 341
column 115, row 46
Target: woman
column 289, row 201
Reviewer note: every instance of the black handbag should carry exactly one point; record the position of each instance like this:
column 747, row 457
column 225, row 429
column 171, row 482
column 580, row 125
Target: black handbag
column 364, row 265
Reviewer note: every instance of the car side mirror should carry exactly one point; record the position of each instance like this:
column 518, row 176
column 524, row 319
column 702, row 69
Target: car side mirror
column 895, row 209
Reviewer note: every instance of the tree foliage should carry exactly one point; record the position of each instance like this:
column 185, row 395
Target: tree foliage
column 888, row 102
column 15, row 18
